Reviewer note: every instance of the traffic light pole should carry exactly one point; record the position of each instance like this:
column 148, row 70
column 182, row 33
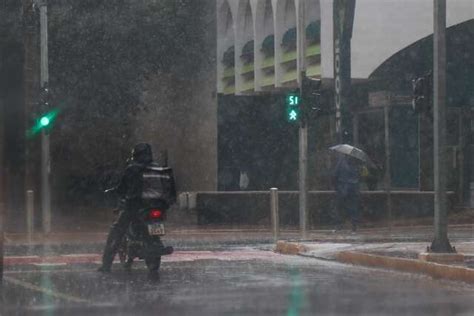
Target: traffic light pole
column 45, row 151
column 440, row 242
column 303, row 130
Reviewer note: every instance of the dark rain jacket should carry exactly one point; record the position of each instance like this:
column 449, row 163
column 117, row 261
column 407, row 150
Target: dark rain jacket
column 346, row 176
column 131, row 184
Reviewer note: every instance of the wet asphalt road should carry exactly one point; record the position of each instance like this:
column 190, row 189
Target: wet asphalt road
column 235, row 281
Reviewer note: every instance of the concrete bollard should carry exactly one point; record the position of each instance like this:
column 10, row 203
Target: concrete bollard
column 183, row 200
column 192, row 200
column 274, row 213
column 30, row 206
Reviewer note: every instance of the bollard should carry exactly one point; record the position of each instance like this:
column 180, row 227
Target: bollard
column 30, row 206
column 192, row 200
column 2, row 238
column 183, row 201
column 274, row 211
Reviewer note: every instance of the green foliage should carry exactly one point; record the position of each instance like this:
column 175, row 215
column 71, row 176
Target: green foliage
column 229, row 57
column 313, row 32
column 247, row 52
column 289, row 39
column 268, row 45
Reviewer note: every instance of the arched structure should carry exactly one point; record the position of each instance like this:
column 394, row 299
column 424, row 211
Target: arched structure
column 244, row 48
column 263, row 24
column 225, row 47
column 264, row 48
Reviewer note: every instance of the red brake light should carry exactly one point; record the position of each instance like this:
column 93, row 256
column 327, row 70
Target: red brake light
column 155, row 214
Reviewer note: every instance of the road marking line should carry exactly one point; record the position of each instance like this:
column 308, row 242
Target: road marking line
column 32, row 287
column 50, row 264
column 177, row 256
column 50, row 271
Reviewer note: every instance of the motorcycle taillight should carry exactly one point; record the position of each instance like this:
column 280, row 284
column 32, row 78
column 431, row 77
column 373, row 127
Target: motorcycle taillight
column 155, row 214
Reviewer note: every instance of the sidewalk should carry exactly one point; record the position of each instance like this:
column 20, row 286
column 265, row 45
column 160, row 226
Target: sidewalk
column 400, row 255
column 256, row 233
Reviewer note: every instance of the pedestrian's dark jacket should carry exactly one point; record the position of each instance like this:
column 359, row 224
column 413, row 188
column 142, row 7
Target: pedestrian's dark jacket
column 347, row 171
column 347, row 177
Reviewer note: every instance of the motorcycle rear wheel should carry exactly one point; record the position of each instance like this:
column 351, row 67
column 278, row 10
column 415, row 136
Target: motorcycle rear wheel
column 153, row 263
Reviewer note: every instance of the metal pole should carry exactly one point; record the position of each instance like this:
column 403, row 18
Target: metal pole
column 303, row 130
column 388, row 175
column 355, row 128
column 440, row 242
column 30, row 205
column 274, row 210
column 2, row 237
column 45, row 152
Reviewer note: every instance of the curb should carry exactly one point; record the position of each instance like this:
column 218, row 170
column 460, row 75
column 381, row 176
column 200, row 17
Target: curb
column 435, row 270
column 289, row 248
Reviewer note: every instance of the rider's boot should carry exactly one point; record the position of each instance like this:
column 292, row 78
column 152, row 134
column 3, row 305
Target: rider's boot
column 128, row 265
column 110, row 250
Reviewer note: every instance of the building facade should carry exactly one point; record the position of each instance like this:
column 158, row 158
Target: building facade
column 390, row 45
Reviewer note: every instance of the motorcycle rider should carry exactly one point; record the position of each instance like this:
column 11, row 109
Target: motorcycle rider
column 130, row 190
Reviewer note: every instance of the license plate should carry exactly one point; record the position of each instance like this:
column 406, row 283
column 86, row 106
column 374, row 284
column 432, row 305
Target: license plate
column 156, row 229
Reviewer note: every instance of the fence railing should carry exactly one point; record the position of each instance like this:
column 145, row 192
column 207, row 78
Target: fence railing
column 189, row 200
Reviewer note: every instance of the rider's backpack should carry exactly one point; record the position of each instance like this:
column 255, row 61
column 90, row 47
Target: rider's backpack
column 158, row 184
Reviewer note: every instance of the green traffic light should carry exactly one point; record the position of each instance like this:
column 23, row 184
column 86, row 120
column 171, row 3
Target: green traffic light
column 44, row 121
column 292, row 102
column 293, row 115
column 292, row 99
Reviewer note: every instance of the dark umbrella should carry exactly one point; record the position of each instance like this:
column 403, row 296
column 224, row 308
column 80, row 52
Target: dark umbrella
column 353, row 152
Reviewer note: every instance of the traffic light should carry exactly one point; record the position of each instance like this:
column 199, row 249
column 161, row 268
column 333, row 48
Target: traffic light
column 422, row 92
column 306, row 104
column 43, row 122
column 45, row 115
column 293, row 111
column 313, row 106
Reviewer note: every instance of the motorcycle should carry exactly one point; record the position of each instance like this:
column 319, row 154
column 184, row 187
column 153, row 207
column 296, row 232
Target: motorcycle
column 142, row 239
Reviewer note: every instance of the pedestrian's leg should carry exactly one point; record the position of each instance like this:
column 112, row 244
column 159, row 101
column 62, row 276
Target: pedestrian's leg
column 117, row 230
column 353, row 208
column 337, row 211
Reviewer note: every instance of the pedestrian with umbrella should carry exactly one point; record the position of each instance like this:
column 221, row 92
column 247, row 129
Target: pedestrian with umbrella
column 346, row 180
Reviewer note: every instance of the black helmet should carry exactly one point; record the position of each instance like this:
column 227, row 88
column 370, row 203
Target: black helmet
column 142, row 153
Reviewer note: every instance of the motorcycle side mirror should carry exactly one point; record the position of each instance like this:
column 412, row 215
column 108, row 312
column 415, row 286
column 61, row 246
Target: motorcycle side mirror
column 108, row 191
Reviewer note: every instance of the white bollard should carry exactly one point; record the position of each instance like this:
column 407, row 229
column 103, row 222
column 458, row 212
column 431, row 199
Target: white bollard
column 30, row 206
column 274, row 213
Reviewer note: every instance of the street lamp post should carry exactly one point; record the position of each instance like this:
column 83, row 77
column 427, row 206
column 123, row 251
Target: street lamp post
column 440, row 243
